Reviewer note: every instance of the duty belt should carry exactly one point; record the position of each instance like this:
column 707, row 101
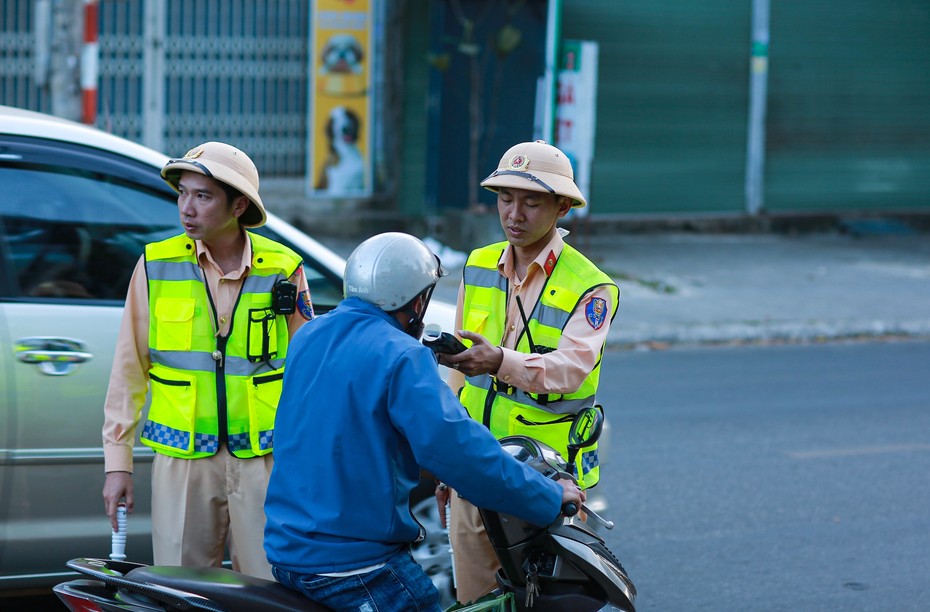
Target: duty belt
column 554, row 403
column 502, row 387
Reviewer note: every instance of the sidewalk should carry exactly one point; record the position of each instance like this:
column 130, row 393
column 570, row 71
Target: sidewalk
column 680, row 289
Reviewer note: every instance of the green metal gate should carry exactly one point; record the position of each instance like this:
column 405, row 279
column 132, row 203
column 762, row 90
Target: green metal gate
column 848, row 123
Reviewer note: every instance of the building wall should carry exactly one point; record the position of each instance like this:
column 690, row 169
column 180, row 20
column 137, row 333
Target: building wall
column 849, row 106
column 411, row 194
column 848, row 125
column 672, row 103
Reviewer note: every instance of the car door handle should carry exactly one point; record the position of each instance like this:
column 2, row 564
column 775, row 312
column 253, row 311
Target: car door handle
column 54, row 356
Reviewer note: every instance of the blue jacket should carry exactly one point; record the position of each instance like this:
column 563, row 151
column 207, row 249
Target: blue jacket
column 362, row 410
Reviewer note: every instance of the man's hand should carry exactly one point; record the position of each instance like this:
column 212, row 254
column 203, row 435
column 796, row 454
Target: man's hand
column 481, row 357
column 571, row 492
column 443, row 493
column 118, row 485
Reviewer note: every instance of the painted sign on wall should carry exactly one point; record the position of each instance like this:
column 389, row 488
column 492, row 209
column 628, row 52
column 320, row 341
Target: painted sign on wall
column 576, row 110
column 340, row 141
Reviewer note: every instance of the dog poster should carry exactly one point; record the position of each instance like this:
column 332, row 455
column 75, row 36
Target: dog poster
column 340, row 98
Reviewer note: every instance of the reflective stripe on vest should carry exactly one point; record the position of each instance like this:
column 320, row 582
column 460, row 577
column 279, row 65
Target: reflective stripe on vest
column 199, row 380
column 504, row 409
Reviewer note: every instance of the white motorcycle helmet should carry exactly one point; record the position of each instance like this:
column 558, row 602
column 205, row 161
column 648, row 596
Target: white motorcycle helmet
column 389, row 270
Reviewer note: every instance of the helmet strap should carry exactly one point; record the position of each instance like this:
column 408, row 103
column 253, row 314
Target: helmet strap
column 414, row 325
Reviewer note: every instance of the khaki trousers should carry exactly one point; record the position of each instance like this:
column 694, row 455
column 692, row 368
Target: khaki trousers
column 475, row 562
column 199, row 506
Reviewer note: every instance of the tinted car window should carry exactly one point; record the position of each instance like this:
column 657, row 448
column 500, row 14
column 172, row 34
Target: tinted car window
column 74, row 234
column 74, row 221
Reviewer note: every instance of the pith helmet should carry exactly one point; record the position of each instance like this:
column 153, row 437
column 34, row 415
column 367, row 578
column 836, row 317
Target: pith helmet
column 390, row 269
column 226, row 164
column 536, row 166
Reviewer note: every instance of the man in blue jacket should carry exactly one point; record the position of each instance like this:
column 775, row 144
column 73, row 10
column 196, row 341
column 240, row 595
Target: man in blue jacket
column 363, row 410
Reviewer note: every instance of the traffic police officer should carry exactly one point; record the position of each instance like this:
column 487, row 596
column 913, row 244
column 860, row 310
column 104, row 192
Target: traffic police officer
column 536, row 313
column 208, row 318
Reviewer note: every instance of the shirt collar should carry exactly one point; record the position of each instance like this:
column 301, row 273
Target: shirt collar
column 204, row 256
column 545, row 261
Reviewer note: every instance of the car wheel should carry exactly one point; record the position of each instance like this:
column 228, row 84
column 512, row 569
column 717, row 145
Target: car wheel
column 433, row 552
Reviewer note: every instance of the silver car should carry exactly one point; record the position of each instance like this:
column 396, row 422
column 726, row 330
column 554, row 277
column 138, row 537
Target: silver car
column 76, row 208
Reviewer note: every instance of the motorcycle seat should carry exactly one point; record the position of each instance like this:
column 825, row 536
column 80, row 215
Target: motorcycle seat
column 232, row 590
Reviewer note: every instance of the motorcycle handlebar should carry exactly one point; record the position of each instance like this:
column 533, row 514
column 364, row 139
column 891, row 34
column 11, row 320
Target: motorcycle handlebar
column 569, row 509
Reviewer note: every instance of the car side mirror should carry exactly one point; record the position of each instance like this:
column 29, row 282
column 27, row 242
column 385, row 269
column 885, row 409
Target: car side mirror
column 585, row 430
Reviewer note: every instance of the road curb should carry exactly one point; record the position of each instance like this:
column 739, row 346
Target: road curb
column 775, row 333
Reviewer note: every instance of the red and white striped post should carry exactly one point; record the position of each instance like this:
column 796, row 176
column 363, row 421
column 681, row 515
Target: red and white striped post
column 89, row 64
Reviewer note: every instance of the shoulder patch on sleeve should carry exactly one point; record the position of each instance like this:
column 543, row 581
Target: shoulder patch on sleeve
column 304, row 306
column 595, row 312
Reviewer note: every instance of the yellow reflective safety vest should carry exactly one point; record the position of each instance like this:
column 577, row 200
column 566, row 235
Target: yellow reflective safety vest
column 209, row 390
column 507, row 410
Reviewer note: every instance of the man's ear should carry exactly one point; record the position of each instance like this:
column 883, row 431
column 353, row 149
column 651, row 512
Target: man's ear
column 565, row 205
column 421, row 304
column 240, row 205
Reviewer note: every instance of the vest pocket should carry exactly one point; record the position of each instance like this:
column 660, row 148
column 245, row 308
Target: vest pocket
column 171, row 422
column 264, row 393
column 477, row 320
column 174, row 324
column 552, row 429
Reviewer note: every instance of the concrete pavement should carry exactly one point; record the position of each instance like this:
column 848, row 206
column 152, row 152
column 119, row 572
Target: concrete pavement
column 712, row 288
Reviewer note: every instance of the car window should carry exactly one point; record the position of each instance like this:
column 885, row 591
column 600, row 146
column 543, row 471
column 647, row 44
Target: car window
column 74, row 221
column 74, row 234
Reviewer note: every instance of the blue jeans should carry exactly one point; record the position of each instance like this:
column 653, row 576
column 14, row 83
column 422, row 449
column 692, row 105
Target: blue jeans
column 400, row 585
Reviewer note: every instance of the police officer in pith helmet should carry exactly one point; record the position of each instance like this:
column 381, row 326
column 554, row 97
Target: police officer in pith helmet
column 535, row 313
column 208, row 319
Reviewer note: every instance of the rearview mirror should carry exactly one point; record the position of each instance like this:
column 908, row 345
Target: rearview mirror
column 585, row 430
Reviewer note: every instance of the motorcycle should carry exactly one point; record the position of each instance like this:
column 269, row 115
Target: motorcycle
column 565, row 566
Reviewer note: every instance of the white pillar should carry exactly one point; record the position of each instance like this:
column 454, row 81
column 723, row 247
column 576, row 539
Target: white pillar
column 153, row 83
column 758, row 86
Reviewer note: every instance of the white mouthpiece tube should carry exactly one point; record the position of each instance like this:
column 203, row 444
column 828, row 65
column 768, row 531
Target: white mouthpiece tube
column 118, row 541
column 432, row 331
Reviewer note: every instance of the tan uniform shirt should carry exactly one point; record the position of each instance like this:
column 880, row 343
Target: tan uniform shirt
column 561, row 371
column 131, row 363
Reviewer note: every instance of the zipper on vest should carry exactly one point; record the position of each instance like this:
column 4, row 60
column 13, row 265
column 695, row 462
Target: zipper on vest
column 221, row 409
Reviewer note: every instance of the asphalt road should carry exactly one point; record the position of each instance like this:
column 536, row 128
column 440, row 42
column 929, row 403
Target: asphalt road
column 767, row 478
column 771, row 478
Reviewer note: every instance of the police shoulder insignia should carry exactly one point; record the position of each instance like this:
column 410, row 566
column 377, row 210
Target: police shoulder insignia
column 194, row 153
column 304, row 305
column 550, row 263
column 596, row 312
